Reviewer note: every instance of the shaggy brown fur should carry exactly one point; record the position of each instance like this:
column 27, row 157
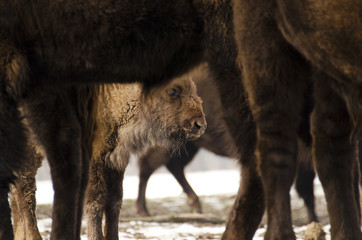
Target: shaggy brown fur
column 279, row 43
column 165, row 117
column 48, row 45
column 23, row 202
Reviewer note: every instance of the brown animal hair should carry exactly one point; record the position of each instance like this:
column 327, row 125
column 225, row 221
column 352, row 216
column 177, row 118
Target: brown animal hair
column 81, row 42
column 128, row 122
column 283, row 47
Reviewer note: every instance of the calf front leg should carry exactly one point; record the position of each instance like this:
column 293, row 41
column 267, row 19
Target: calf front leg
column 113, row 205
column 335, row 155
column 95, row 199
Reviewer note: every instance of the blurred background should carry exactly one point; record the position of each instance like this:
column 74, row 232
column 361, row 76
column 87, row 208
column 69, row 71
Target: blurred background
column 203, row 161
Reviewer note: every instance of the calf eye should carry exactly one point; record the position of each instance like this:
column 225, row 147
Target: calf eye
column 174, row 92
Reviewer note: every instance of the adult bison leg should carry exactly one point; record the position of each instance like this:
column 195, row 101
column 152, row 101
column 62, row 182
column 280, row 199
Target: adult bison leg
column 83, row 187
column 64, row 158
column 13, row 136
column 6, row 229
column 248, row 208
column 335, row 156
column 52, row 119
column 23, row 202
column 249, row 202
column 274, row 77
column 360, row 160
column 176, row 166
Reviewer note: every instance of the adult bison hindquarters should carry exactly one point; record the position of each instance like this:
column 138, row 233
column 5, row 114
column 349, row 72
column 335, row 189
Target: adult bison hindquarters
column 279, row 43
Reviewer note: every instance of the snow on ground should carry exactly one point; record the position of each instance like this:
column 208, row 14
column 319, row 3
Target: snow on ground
column 162, row 185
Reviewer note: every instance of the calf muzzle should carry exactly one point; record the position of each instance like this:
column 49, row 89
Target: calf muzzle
column 195, row 127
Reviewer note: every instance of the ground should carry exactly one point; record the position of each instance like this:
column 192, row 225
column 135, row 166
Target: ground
column 171, row 217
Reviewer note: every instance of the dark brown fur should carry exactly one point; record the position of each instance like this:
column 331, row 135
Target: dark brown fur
column 23, row 202
column 283, row 45
column 49, row 45
column 45, row 45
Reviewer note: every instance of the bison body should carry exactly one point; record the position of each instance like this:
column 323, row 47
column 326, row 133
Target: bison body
column 283, row 47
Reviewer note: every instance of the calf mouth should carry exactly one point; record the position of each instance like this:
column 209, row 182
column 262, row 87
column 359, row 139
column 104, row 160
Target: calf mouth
column 192, row 136
column 182, row 135
column 194, row 127
column 196, row 131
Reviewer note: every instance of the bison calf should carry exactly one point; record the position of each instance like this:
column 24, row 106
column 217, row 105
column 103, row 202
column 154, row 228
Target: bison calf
column 164, row 117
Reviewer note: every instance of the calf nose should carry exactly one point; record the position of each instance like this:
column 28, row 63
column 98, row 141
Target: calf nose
column 200, row 125
column 197, row 127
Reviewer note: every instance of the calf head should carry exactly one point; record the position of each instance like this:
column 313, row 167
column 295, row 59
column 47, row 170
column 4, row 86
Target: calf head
column 175, row 110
